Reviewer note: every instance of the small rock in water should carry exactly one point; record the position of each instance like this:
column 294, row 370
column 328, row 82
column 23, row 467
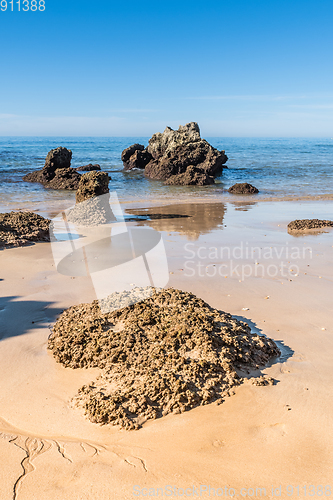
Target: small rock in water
column 308, row 224
column 243, row 188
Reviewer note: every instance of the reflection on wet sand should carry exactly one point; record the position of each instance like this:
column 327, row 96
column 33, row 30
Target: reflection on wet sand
column 190, row 219
column 244, row 206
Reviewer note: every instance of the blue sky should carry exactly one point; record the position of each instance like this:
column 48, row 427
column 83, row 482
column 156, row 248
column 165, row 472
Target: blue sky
column 129, row 68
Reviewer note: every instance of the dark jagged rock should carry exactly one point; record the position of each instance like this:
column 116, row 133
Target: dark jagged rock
column 173, row 152
column 139, row 159
column 64, row 178
column 192, row 176
column 308, row 224
column 243, row 188
column 176, row 161
column 58, row 158
column 160, row 144
column 128, row 152
column 92, row 201
column 88, row 168
column 22, row 228
column 166, row 354
column 92, row 184
column 57, row 172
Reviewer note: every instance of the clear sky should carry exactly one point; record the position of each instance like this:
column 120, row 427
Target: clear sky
column 129, row 68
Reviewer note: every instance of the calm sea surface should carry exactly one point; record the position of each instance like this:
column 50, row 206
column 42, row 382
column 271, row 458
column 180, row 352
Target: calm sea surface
column 278, row 167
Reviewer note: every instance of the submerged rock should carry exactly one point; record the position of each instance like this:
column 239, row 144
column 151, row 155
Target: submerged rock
column 88, row 168
column 243, row 188
column 306, row 224
column 166, row 354
column 57, row 172
column 22, row 228
column 173, row 152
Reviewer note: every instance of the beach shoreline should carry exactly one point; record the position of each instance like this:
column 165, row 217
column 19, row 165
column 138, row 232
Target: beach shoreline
column 260, row 437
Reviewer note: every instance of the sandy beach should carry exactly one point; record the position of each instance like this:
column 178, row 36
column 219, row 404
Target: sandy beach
column 260, row 438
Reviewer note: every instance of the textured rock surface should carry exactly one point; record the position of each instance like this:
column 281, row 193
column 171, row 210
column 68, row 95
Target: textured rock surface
column 304, row 224
column 139, row 159
column 170, row 139
column 92, row 200
column 92, row 184
column 22, row 228
column 243, row 188
column 64, row 178
column 191, row 176
column 128, row 152
column 173, row 152
column 58, row 158
column 57, row 172
column 168, row 353
column 88, row 168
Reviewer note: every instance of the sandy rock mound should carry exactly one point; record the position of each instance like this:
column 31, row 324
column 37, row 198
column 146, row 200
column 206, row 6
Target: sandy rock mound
column 21, row 228
column 92, row 200
column 168, row 353
column 243, row 188
column 306, row 224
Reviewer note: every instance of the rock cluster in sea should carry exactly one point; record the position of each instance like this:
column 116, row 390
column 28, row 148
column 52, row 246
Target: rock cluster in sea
column 22, row 228
column 304, row 224
column 243, row 188
column 177, row 157
column 92, row 200
column 57, row 172
column 166, row 354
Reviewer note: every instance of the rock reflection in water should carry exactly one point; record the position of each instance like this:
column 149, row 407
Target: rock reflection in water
column 244, row 206
column 190, row 219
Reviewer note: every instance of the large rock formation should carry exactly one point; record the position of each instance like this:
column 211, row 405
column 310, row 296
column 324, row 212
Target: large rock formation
column 178, row 156
column 57, row 172
column 243, row 188
column 92, row 201
column 92, row 184
column 22, row 228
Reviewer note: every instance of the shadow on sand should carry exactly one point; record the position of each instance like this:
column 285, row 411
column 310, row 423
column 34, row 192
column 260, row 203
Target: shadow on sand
column 286, row 351
column 18, row 317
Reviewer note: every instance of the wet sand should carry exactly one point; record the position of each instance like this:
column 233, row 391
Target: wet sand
column 261, row 437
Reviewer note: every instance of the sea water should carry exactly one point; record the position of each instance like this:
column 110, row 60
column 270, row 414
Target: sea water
column 279, row 168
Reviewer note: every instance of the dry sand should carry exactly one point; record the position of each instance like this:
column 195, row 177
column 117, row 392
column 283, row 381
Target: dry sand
column 258, row 438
